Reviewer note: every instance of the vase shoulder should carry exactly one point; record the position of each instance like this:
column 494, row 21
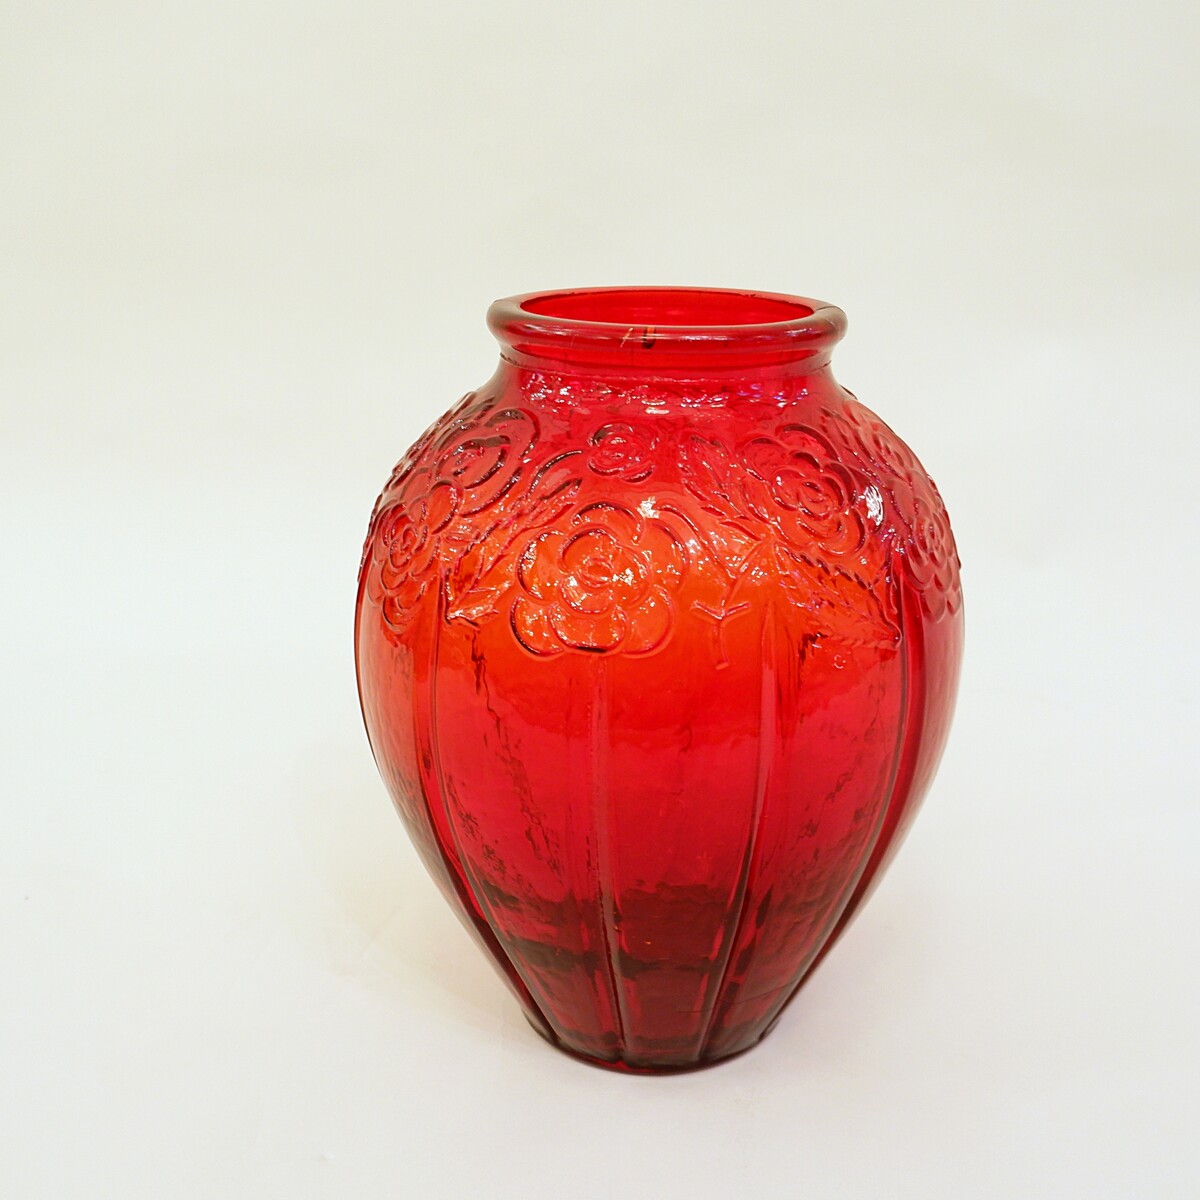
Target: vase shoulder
column 586, row 508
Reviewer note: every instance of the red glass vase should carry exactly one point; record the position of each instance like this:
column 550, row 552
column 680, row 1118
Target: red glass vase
column 658, row 635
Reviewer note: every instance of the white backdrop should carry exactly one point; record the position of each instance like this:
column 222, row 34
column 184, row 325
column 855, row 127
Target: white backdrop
column 245, row 252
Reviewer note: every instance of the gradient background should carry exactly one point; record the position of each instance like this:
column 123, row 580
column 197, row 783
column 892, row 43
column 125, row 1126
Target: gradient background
column 245, row 253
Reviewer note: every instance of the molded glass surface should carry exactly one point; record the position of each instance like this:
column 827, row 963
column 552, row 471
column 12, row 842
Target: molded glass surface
column 658, row 634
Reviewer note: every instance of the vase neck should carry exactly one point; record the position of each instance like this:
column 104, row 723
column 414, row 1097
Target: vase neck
column 667, row 333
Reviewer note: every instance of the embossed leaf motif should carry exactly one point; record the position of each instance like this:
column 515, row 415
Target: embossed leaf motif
column 470, row 512
column 784, row 490
column 602, row 584
column 712, row 476
column 859, row 609
column 707, row 470
column 480, row 575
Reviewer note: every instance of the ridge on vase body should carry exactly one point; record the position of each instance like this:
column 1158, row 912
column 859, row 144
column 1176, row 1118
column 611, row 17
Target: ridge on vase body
column 658, row 635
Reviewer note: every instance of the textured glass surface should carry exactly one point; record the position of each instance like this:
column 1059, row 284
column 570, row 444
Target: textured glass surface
column 658, row 633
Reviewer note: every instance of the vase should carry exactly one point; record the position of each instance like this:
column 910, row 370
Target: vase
column 657, row 637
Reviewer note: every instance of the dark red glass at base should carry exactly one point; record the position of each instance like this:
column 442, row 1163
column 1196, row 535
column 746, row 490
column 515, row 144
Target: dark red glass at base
column 658, row 634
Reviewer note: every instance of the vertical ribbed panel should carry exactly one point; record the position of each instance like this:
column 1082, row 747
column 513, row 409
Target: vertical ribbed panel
column 908, row 744
column 603, row 884
column 441, row 818
column 912, row 736
column 767, row 748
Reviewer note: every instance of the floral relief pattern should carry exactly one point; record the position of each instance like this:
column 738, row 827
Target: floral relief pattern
column 788, row 511
column 473, row 515
column 930, row 557
column 795, row 485
column 784, row 496
column 604, row 583
column 430, row 510
column 406, row 546
column 623, row 450
column 923, row 541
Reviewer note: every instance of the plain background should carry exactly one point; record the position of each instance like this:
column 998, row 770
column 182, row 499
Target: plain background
column 246, row 248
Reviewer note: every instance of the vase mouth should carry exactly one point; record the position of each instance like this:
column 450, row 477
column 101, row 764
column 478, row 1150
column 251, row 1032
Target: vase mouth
column 648, row 328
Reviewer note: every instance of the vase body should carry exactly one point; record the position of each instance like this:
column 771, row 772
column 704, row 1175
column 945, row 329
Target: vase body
column 657, row 635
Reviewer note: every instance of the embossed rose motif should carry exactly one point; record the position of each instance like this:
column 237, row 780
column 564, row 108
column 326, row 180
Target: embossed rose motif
column 795, row 484
column 406, row 546
column 623, row 450
column 602, row 585
column 416, row 453
column 930, row 558
column 924, row 542
column 482, row 459
column 878, row 445
column 885, row 459
column 456, row 471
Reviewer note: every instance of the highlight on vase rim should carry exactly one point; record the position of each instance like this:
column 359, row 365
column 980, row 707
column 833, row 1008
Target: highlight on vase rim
column 658, row 636
column 680, row 325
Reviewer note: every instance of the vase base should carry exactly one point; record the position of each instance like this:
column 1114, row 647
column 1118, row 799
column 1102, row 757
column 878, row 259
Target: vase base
column 621, row 1067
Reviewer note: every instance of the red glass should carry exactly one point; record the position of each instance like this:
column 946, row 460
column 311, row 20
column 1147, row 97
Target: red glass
column 658, row 635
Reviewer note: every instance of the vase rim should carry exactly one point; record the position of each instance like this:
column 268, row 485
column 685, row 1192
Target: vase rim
column 667, row 326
